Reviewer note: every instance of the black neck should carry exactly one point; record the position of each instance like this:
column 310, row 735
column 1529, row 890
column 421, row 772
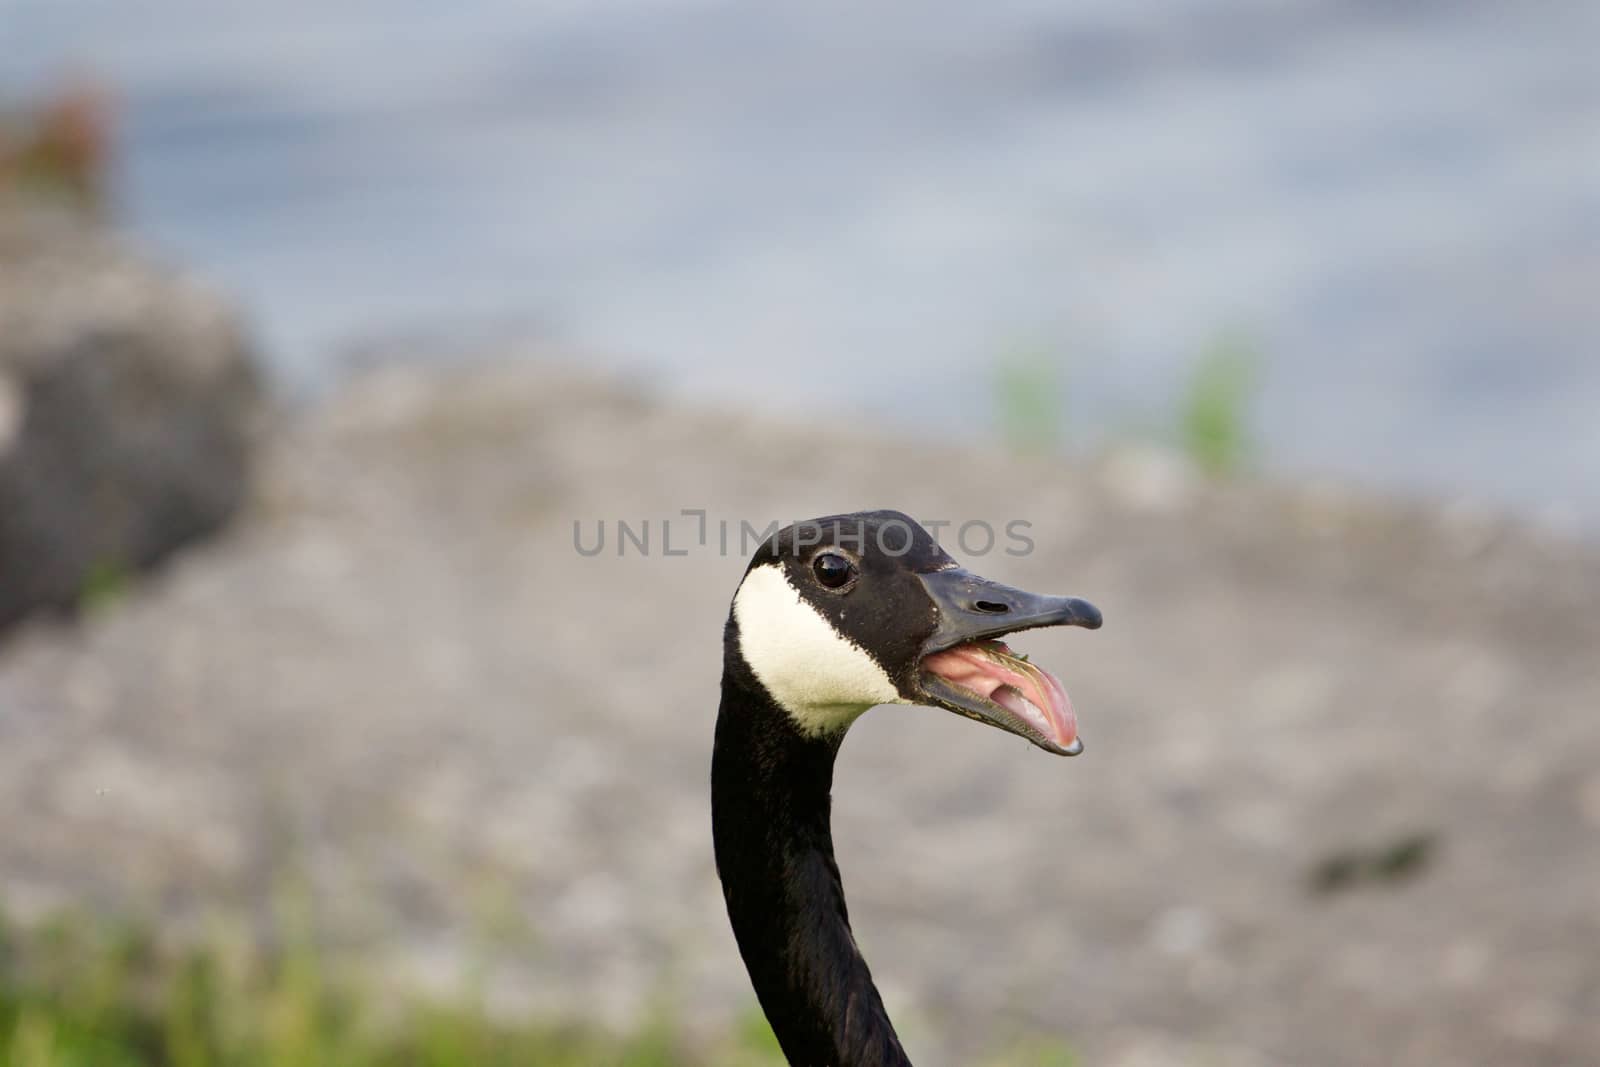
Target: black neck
column 769, row 812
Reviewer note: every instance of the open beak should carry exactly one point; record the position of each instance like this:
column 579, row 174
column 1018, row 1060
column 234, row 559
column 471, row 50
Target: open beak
column 964, row 668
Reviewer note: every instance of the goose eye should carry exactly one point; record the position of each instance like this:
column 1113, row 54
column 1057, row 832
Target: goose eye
column 833, row 570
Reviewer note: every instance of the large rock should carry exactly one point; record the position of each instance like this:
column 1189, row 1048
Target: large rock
column 127, row 398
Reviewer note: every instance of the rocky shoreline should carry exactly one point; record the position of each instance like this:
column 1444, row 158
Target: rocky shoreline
column 395, row 675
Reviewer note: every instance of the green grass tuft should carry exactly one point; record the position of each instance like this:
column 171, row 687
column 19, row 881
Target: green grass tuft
column 82, row 992
column 1036, row 1052
column 107, row 582
column 1214, row 413
column 754, row 1036
column 1029, row 400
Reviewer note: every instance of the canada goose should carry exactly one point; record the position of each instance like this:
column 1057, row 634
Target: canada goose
column 834, row 616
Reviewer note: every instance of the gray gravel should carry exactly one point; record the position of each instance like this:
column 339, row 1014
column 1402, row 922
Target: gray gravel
column 397, row 674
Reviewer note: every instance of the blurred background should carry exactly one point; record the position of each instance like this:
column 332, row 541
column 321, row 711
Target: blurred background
column 1396, row 203
column 323, row 329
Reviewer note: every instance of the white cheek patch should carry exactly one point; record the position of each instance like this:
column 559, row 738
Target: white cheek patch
column 820, row 677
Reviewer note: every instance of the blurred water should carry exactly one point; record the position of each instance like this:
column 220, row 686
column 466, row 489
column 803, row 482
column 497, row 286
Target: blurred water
column 861, row 207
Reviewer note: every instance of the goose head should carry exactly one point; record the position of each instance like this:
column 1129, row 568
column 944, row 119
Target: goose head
column 838, row 614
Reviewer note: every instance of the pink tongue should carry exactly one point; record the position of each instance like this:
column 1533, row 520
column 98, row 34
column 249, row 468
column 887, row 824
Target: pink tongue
column 1030, row 692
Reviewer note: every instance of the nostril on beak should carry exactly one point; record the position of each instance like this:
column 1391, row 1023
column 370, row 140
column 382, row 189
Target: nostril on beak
column 991, row 607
